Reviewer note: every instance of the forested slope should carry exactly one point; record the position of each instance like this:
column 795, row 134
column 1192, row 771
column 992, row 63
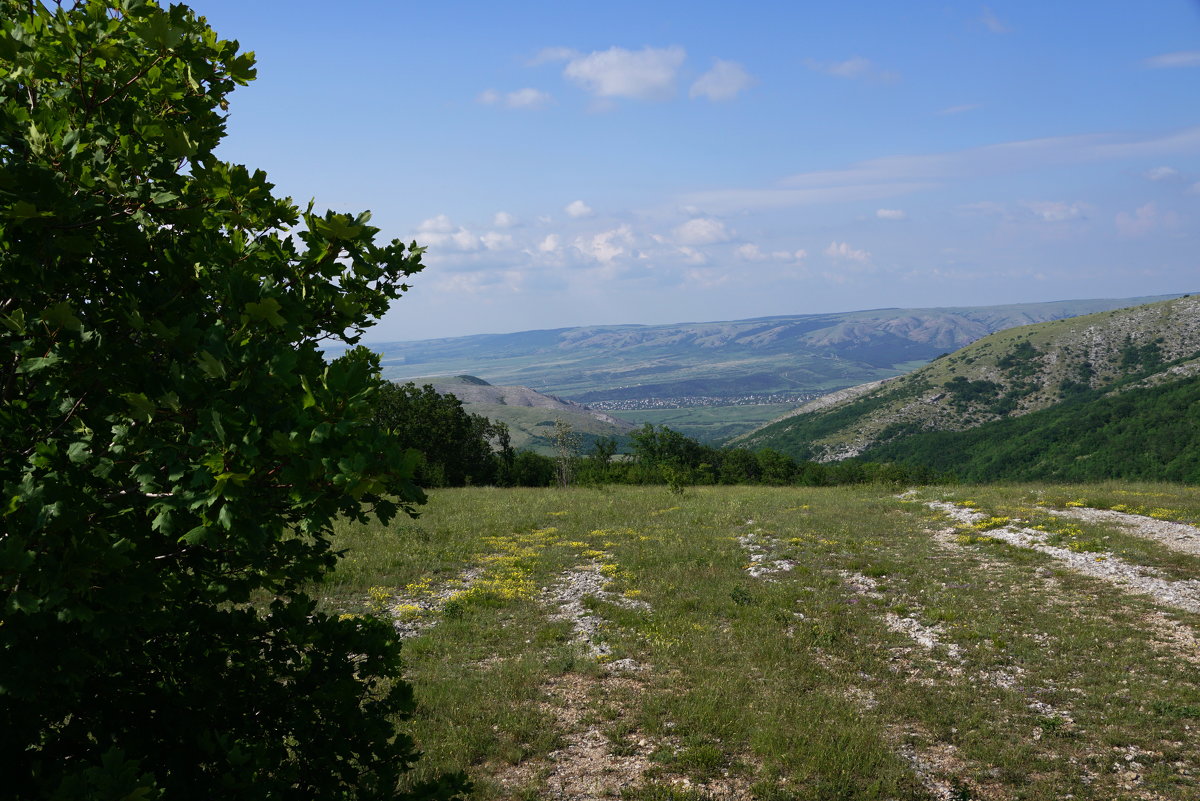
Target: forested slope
column 1149, row 433
column 1006, row 375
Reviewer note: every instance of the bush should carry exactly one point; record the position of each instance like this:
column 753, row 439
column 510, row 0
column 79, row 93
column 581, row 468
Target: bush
column 173, row 446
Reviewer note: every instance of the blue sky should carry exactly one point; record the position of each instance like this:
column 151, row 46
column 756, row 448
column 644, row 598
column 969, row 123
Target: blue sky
column 576, row 164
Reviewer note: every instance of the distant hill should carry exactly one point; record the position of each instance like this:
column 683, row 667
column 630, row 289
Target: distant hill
column 529, row 415
column 1017, row 372
column 638, row 370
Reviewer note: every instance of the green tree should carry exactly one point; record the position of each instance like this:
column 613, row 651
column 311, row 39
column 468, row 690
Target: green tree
column 567, row 444
column 458, row 448
column 173, row 446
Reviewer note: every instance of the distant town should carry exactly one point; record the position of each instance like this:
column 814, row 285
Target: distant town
column 640, row 404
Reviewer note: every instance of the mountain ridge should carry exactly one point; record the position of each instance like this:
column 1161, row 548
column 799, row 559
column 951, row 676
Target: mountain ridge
column 1007, row 374
column 780, row 353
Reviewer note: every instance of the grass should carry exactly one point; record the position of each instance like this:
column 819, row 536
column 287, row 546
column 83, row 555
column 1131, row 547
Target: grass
column 794, row 685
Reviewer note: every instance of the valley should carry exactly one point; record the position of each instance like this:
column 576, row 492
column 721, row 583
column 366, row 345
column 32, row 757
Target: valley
column 718, row 364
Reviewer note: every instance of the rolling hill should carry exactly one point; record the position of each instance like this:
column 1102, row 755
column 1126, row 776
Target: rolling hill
column 529, row 415
column 696, row 369
column 1006, row 375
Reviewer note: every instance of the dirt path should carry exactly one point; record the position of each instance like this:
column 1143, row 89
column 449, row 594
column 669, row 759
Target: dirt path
column 1176, row 536
column 1135, row 579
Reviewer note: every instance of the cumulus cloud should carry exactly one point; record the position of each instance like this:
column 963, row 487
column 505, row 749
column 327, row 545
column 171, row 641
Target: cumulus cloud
column 992, row 22
column 646, row 74
column 1184, row 58
column 723, row 82
column 503, row 220
column 440, row 224
column 1052, row 211
column 843, row 251
column 605, row 246
column 891, row 214
column 441, row 232
column 1144, row 220
column 857, row 67
column 1161, row 173
column 494, row 240
column 701, row 231
column 577, row 208
column 550, row 244
column 527, row 98
column 553, row 54
column 752, row 252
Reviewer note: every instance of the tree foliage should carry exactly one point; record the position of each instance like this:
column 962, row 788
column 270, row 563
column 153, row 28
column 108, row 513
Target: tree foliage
column 1150, row 433
column 173, row 446
column 457, row 448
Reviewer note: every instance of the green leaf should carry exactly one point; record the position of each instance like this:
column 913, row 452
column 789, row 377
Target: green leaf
column 142, row 407
column 61, row 315
column 196, row 536
column 267, row 310
column 211, row 365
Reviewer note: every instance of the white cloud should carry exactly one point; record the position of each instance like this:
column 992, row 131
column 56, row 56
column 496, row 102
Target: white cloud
column 553, row 54
column 693, row 256
column 441, row 232
column 842, row 250
column 494, row 240
column 891, row 214
column 701, row 231
column 857, row 67
column 577, row 208
column 893, row 176
column 550, row 244
column 1144, row 220
column 723, row 82
column 992, row 22
column 440, row 224
column 1052, row 211
column 606, row 246
column 1184, row 58
column 646, row 74
column 1161, row 173
column 949, row 110
column 527, row 98
column 503, row 220
column 752, row 252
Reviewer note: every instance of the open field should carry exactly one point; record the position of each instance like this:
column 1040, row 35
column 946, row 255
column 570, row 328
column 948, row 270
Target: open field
column 783, row 643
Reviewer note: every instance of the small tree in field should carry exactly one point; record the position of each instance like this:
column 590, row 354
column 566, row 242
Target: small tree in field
column 567, row 444
column 173, row 446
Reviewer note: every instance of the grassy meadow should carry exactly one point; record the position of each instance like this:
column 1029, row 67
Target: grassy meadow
column 785, row 643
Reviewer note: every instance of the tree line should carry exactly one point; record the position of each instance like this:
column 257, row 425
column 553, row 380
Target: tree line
column 458, row 448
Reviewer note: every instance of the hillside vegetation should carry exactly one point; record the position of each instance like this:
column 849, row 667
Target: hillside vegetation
column 779, row 358
column 1144, row 433
column 529, row 415
column 1078, row 361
